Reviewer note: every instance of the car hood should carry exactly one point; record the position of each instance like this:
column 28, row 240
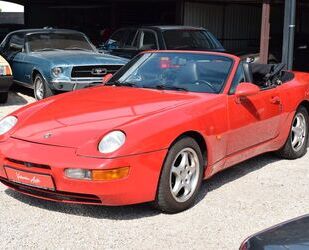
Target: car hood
column 63, row 57
column 73, row 119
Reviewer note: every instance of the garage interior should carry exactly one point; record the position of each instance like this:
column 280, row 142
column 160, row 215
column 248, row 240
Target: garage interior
column 236, row 23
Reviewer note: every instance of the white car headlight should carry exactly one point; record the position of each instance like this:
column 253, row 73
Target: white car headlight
column 112, row 142
column 7, row 124
column 57, row 71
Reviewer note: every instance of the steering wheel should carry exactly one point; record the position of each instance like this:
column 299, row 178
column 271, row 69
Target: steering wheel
column 197, row 82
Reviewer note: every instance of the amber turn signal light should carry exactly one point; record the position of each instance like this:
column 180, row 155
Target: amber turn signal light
column 111, row 174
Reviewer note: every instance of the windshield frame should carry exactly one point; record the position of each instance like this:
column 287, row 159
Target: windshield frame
column 119, row 74
column 27, row 48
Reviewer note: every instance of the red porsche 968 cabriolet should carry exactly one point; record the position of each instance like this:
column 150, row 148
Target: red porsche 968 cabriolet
column 161, row 124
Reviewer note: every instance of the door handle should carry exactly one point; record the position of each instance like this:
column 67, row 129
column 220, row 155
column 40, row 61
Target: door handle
column 275, row 100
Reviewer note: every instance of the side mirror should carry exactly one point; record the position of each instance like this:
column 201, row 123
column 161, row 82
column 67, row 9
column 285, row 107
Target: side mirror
column 16, row 47
column 107, row 78
column 246, row 89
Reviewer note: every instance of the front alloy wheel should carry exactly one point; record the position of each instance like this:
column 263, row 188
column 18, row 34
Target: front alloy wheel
column 181, row 176
column 41, row 89
column 184, row 175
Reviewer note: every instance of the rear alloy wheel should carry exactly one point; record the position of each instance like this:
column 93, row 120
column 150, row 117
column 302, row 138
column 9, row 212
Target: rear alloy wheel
column 41, row 89
column 296, row 145
column 4, row 97
column 181, row 177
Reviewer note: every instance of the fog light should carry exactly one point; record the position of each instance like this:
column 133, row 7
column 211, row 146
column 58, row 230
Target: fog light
column 109, row 175
column 79, row 174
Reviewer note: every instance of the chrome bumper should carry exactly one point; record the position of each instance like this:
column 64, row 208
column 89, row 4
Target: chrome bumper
column 75, row 84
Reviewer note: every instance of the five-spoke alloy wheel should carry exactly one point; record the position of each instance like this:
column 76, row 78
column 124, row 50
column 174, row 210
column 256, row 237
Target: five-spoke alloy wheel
column 41, row 89
column 184, row 174
column 181, row 176
column 299, row 131
column 297, row 142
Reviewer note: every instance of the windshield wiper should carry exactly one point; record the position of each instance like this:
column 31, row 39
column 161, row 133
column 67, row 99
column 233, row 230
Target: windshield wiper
column 134, row 85
column 168, row 87
column 122, row 84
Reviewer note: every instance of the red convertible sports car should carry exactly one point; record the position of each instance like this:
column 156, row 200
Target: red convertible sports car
column 163, row 123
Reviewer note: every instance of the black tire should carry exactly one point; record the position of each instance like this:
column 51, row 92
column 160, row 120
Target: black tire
column 165, row 199
column 288, row 151
column 41, row 88
column 4, row 97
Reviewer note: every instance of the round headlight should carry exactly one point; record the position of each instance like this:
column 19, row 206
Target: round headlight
column 112, row 142
column 7, row 124
column 57, row 71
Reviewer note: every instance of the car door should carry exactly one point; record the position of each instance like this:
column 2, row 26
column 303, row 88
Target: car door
column 252, row 120
column 124, row 43
column 16, row 56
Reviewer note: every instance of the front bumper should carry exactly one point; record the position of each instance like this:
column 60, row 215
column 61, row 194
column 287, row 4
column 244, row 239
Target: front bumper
column 75, row 84
column 5, row 83
column 140, row 186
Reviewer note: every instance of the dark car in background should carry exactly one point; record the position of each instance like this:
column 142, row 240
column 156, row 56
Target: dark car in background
column 128, row 42
column 290, row 235
column 56, row 60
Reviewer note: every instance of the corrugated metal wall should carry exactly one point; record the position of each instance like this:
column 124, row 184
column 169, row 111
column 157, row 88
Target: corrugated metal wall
column 236, row 25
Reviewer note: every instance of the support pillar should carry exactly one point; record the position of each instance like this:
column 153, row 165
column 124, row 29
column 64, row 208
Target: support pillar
column 265, row 30
column 289, row 33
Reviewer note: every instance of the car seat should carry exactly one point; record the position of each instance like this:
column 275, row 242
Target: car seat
column 188, row 74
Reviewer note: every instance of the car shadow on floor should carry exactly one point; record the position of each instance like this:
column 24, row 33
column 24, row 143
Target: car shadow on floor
column 23, row 90
column 14, row 99
column 17, row 96
column 231, row 174
column 146, row 210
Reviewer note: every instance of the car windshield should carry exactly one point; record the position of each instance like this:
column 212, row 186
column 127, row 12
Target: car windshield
column 190, row 40
column 194, row 72
column 58, row 41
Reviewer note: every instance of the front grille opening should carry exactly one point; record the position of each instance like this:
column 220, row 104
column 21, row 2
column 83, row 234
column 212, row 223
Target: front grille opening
column 28, row 164
column 54, row 195
column 94, row 70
